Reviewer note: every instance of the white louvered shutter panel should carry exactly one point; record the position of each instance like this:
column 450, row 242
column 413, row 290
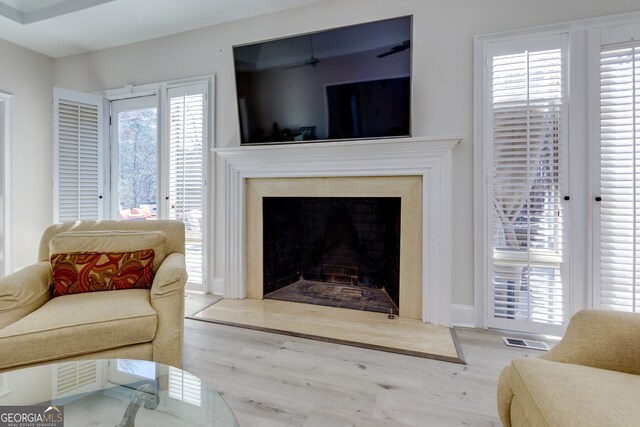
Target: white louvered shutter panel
column 76, row 377
column 187, row 143
column 77, row 157
column 620, row 178
column 184, row 387
column 524, row 183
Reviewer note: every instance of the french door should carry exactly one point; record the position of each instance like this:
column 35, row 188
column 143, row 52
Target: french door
column 526, row 139
column 616, row 267
column 134, row 158
column 185, row 177
column 154, row 166
column 158, row 165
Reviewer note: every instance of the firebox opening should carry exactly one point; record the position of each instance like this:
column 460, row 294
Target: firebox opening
column 335, row 251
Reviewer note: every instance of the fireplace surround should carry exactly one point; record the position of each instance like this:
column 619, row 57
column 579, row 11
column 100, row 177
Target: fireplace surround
column 407, row 188
column 427, row 159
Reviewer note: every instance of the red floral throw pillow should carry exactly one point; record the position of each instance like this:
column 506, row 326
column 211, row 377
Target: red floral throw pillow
column 79, row 272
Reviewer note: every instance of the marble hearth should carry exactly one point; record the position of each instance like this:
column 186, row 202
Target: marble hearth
column 417, row 170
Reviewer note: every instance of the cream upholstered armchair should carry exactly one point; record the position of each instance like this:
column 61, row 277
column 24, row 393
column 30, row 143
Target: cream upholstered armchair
column 142, row 319
column 590, row 378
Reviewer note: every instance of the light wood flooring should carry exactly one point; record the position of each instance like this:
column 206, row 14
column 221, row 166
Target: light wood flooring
column 276, row 380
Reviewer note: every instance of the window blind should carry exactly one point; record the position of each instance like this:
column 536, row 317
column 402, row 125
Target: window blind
column 184, row 387
column 186, row 169
column 75, row 377
column 526, row 89
column 77, row 161
column 620, row 177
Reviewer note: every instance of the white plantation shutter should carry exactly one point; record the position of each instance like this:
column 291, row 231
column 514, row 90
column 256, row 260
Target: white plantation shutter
column 187, row 149
column 527, row 97
column 620, row 178
column 185, row 387
column 75, row 377
column 77, row 158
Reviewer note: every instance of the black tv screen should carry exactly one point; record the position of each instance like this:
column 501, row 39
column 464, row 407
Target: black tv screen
column 340, row 84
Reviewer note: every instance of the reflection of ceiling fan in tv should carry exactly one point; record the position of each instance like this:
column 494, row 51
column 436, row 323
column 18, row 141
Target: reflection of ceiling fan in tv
column 311, row 60
column 397, row 49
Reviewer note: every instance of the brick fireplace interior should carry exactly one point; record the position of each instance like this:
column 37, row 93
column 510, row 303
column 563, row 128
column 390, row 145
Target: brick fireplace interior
column 335, row 251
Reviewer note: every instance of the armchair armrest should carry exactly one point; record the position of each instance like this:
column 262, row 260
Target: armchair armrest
column 601, row 339
column 24, row 291
column 170, row 277
column 167, row 299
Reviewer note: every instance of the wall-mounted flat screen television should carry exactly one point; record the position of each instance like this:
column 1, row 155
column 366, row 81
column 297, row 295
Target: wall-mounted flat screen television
column 346, row 83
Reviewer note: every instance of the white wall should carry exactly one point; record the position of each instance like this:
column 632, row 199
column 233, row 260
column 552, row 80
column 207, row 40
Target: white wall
column 442, row 52
column 28, row 76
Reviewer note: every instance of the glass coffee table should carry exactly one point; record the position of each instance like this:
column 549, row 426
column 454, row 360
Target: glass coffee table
column 116, row 392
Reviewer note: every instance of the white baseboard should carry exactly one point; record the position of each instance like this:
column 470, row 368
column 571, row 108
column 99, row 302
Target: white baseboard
column 218, row 286
column 463, row 315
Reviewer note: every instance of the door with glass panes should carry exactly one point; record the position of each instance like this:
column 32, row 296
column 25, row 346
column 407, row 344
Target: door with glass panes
column 134, row 158
column 162, row 176
column 616, row 196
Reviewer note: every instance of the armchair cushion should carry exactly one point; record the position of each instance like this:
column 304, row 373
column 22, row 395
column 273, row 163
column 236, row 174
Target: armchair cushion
column 94, row 271
column 73, row 325
column 110, row 241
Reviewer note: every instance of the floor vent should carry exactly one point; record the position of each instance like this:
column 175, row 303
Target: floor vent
column 519, row 342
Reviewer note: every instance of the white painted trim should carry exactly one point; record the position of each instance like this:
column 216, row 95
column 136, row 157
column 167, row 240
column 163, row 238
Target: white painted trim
column 7, row 192
column 431, row 158
column 593, row 55
column 463, row 315
column 577, row 208
column 480, row 261
column 576, row 25
column 218, row 286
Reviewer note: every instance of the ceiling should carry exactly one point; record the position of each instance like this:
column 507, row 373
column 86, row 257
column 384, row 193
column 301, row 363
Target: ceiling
column 59, row 28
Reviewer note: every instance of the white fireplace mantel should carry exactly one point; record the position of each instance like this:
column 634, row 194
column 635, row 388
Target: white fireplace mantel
column 431, row 158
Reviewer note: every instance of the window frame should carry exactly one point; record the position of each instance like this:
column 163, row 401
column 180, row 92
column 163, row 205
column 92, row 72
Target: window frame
column 624, row 29
column 483, row 162
column 583, row 159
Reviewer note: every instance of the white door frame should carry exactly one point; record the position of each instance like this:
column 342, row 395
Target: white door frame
column 6, row 183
